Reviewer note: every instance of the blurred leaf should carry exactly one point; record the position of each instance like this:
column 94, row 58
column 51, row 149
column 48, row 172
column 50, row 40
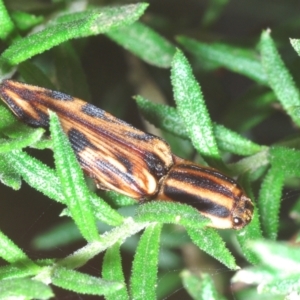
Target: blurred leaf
column 69, row 72
column 168, row 283
column 144, row 43
column 295, row 214
column 200, row 287
column 57, row 236
column 250, row 110
column 34, row 75
column 279, row 256
column 24, row 289
column 278, row 271
column 289, row 286
column 25, row 21
column 213, row 11
column 6, row 25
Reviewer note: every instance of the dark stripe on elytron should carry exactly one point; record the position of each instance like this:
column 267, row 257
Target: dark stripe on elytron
column 43, row 120
column 125, row 162
column 155, row 165
column 141, row 136
column 58, row 95
column 25, row 94
column 79, row 141
column 111, row 171
column 200, row 181
column 209, row 171
column 153, row 161
column 202, row 204
column 96, row 112
column 93, row 111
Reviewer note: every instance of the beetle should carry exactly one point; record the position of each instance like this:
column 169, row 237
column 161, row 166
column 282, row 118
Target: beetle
column 122, row 158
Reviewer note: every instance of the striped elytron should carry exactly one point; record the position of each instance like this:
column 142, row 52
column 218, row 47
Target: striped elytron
column 122, row 158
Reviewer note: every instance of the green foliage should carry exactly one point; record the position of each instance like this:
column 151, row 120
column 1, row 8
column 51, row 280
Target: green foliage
column 52, row 54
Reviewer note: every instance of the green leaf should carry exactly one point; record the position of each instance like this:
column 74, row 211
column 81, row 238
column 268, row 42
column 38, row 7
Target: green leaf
column 120, row 233
column 36, row 174
column 251, row 163
column 238, row 60
column 8, row 175
column 296, row 45
column 192, row 109
column 72, row 181
column 44, row 179
column 200, row 287
column 162, row 116
column 232, row 142
column 169, row 212
column 167, row 118
column 119, row 199
column 210, row 242
column 286, row 160
column 10, row 252
column 285, row 163
column 21, row 134
column 76, row 25
column 279, row 77
column 112, row 271
column 144, row 43
column 24, row 289
column 82, row 283
column 19, row 270
column 143, row 279
column 19, row 143
column 269, row 201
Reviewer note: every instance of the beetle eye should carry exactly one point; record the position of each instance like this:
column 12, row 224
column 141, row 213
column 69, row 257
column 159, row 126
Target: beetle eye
column 237, row 222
